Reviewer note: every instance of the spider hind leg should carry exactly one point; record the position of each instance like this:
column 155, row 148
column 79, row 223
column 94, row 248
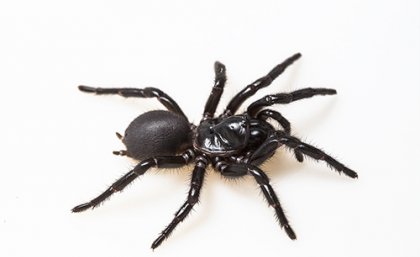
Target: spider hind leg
column 139, row 169
column 148, row 92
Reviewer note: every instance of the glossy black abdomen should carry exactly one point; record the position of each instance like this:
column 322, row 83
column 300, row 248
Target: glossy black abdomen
column 157, row 133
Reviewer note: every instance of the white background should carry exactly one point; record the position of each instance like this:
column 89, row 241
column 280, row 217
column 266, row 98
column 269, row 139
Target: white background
column 56, row 142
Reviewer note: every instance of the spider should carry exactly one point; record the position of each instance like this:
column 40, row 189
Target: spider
column 233, row 144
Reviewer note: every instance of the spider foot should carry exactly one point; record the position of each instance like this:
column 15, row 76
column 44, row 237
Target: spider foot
column 350, row 173
column 158, row 241
column 289, row 231
column 87, row 89
column 81, row 207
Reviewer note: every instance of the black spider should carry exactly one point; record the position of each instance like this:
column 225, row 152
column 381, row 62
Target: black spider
column 234, row 144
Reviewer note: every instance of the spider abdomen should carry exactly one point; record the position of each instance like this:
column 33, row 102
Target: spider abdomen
column 157, row 133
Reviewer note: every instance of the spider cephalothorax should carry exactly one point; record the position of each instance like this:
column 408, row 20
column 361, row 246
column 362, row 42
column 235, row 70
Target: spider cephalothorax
column 222, row 137
column 234, row 144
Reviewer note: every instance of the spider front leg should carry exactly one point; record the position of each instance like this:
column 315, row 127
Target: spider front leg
column 237, row 170
column 147, row 92
column 193, row 196
column 139, row 169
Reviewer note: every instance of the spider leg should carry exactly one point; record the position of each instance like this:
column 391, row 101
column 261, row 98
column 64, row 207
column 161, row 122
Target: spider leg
column 139, row 169
column 291, row 142
column 263, row 181
column 265, row 114
column 285, row 98
column 217, row 91
column 147, row 92
column 193, row 196
column 262, row 82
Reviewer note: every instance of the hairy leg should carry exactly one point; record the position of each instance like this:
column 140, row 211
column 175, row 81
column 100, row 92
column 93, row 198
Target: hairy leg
column 285, row 98
column 260, row 83
column 237, row 170
column 139, row 169
column 292, row 142
column 193, row 196
column 147, row 92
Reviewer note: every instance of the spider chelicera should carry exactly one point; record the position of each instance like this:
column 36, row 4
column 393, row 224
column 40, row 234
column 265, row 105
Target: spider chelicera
column 233, row 144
